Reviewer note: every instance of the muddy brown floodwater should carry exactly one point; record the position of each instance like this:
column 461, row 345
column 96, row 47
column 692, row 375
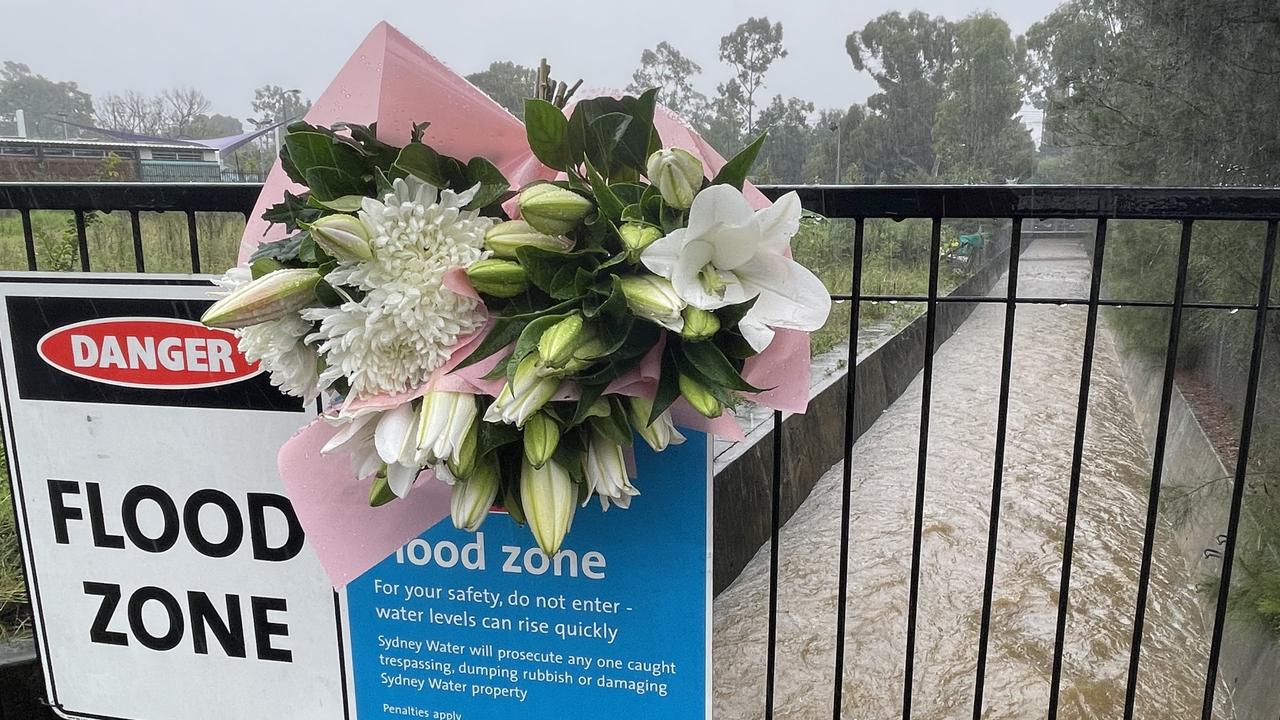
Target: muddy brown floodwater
column 1048, row 342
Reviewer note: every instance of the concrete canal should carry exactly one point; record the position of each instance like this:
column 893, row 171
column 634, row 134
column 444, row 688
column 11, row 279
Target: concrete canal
column 1108, row 543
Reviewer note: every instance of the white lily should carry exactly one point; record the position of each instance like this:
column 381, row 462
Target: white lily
column 443, row 422
column 661, row 433
column 730, row 253
column 356, row 437
column 377, row 437
column 396, row 439
column 532, row 388
column 471, row 498
column 606, row 472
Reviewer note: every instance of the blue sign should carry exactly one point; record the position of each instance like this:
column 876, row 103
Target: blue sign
column 463, row 626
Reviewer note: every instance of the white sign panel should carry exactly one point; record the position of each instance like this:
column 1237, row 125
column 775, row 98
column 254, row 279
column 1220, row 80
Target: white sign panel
column 168, row 574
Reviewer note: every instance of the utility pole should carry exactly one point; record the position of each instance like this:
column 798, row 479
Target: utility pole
column 835, row 127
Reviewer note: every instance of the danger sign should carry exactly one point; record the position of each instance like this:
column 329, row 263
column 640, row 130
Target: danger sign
column 166, row 566
column 170, row 577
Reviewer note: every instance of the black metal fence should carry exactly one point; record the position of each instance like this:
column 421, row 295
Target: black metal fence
column 935, row 204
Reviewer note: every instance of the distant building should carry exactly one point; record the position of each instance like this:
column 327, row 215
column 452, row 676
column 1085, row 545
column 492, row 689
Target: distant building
column 34, row 160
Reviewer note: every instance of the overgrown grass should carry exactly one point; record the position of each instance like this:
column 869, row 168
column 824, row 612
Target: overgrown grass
column 895, row 262
column 109, row 238
column 14, row 617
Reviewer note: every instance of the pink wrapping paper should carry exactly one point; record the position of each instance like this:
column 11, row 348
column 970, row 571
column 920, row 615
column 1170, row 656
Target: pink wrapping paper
column 392, row 81
column 348, row 536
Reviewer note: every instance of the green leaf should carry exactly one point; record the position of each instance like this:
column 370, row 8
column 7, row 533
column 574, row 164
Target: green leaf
column 707, row 359
column 293, row 212
column 425, row 163
column 344, row 204
column 418, row 130
column 283, row 251
column 668, row 385
column 493, row 184
column 607, row 300
column 555, row 273
column 503, row 333
column 617, row 426
column 377, row 153
column 609, row 205
column 736, row 170
column 730, row 315
column 629, row 153
column 492, row 436
column 603, row 135
column 548, row 132
column 329, row 166
column 587, row 396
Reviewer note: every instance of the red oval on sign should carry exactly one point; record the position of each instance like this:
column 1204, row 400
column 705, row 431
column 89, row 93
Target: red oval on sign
column 157, row 353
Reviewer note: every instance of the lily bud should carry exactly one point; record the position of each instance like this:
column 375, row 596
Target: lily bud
column 605, row 469
column 699, row 324
column 473, row 496
column 653, row 298
column 541, row 437
column 700, row 397
column 677, row 174
column 561, row 342
column 464, row 460
column 499, row 278
column 342, row 236
column 270, row 297
column 444, row 421
column 636, row 237
column 552, row 209
column 549, row 499
column 658, row 435
column 531, row 389
column 507, row 237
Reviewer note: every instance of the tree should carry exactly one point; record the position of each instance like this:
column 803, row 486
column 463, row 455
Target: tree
column 42, row 101
column 214, row 126
column 507, row 83
column 820, row 164
column 783, row 156
column 1176, row 92
column 977, row 136
column 667, row 69
column 908, row 57
column 751, row 49
column 174, row 113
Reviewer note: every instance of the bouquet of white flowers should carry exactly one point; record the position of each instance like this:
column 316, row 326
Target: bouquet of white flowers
column 512, row 342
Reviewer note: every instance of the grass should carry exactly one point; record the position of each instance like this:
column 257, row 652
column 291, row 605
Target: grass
column 895, row 262
column 14, row 616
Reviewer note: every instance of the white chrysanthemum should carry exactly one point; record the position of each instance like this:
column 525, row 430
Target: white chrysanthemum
column 407, row 322
column 278, row 345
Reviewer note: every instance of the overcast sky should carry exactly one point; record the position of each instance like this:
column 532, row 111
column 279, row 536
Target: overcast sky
column 226, row 48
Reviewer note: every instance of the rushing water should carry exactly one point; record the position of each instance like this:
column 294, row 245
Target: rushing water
column 1048, row 343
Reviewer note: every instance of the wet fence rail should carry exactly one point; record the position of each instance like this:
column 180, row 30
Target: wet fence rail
column 1095, row 206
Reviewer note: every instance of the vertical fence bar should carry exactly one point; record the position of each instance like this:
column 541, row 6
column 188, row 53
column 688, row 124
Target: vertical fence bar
column 191, row 238
column 775, row 522
column 1242, row 465
column 850, row 422
column 135, row 223
column 997, row 481
column 28, row 238
column 1077, row 458
column 926, row 392
column 82, row 240
column 1157, row 468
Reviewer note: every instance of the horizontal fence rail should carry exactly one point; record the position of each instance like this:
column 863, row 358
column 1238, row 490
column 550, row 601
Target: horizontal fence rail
column 937, row 204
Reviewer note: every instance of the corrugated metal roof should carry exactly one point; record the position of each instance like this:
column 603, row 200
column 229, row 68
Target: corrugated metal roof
column 100, row 144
